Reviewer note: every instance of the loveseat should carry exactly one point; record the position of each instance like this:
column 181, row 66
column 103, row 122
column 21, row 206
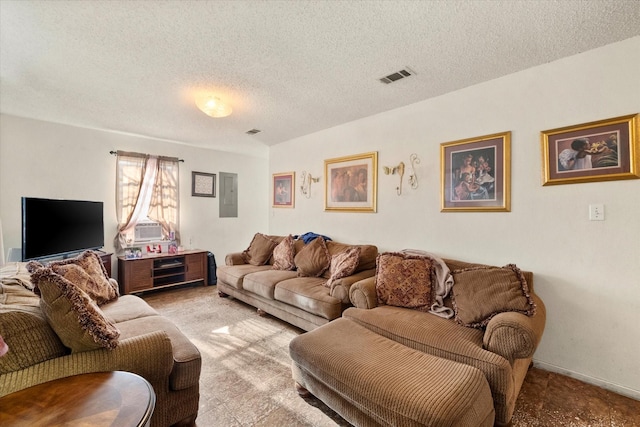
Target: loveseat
column 49, row 338
column 303, row 281
column 411, row 359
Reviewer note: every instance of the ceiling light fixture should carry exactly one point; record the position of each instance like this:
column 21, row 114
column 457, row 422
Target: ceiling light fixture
column 212, row 106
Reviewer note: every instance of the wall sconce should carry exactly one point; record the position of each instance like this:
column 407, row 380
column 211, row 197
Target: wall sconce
column 413, row 178
column 212, row 106
column 305, row 187
column 393, row 170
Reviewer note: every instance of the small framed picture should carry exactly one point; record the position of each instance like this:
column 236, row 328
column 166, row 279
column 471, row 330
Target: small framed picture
column 203, row 184
column 351, row 183
column 133, row 253
column 283, row 190
column 605, row 150
column 476, row 174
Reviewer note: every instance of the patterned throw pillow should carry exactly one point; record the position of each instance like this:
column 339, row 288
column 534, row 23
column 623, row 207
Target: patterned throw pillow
column 72, row 314
column 284, row 254
column 259, row 251
column 343, row 264
column 404, row 280
column 88, row 273
column 479, row 293
column 313, row 259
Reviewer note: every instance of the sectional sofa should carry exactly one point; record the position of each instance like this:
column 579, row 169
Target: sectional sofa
column 428, row 342
column 295, row 280
column 71, row 326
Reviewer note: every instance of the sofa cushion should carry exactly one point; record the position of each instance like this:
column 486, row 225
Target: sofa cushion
column 73, row 315
column 309, row 294
column 233, row 275
column 343, row 264
column 479, row 293
column 22, row 324
column 260, row 250
column 30, row 339
column 404, row 280
column 263, row 283
column 187, row 360
column 127, row 307
column 313, row 259
column 284, row 254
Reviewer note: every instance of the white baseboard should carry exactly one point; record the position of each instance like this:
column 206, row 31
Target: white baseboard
column 616, row 388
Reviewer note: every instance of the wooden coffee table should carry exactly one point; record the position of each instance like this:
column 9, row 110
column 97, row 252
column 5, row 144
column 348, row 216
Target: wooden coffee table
column 96, row 400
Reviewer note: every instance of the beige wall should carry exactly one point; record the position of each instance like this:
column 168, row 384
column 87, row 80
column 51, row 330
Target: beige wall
column 40, row 159
column 587, row 272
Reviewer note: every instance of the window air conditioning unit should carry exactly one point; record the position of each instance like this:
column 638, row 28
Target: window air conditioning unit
column 148, row 232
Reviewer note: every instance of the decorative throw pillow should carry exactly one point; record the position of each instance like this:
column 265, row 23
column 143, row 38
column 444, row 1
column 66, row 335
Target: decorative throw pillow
column 343, row 264
column 259, row 251
column 313, row 259
column 72, row 314
column 87, row 272
column 479, row 293
column 284, row 254
column 404, row 280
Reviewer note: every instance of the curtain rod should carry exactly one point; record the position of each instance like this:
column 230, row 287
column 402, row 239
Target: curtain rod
column 115, row 153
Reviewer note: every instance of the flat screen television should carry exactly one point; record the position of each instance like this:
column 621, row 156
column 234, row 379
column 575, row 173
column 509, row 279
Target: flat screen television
column 58, row 228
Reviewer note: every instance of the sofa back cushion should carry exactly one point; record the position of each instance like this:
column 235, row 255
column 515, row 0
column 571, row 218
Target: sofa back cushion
column 481, row 292
column 259, row 250
column 313, row 259
column 404, row 280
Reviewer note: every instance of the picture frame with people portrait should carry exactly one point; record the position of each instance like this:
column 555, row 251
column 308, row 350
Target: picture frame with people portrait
column 476, row 174
column 351, row 183
column 284, row 190
column 604, row 150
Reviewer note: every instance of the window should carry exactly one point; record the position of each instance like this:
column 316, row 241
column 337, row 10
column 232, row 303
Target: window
column 147, row 189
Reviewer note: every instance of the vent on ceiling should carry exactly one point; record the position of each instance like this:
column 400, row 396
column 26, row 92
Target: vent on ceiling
column 398, row 75
column 253, row 131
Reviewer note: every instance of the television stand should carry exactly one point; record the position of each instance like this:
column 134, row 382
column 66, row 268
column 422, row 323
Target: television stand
column 157, row 271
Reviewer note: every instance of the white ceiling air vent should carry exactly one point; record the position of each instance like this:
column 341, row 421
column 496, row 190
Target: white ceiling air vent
column 398, row 75
column 253, row 131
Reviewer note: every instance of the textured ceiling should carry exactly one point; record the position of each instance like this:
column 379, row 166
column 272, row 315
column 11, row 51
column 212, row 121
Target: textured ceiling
column 288, row 68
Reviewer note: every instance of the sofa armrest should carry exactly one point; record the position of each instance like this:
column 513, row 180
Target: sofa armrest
column 341, row 287
column 149, row 356
column 234, row 258
column 515, row 335
column 363, row 293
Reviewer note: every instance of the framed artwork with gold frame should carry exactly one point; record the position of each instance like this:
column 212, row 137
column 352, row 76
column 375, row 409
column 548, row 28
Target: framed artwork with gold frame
column 351, row 183
column 476, row 174
column 604, row 150
column 284, row 190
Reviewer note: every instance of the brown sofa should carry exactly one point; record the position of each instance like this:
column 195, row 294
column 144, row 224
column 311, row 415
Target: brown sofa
column 500, row 347
column 304, row 301
column 148, row 345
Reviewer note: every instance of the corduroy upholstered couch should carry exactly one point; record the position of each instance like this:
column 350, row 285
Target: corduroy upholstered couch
column 148, row 345
column 304, row 284
column 389, row 365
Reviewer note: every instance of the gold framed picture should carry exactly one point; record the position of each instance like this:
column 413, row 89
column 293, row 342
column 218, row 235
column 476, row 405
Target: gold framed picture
column 351, row 183
column 604, row 150
column 283, row 190
column 476, row 174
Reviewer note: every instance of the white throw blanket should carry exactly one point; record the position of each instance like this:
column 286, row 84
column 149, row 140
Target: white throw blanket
column 443, row 285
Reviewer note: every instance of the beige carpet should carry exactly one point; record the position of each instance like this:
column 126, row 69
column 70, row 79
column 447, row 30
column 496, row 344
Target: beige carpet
column 246, row 374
